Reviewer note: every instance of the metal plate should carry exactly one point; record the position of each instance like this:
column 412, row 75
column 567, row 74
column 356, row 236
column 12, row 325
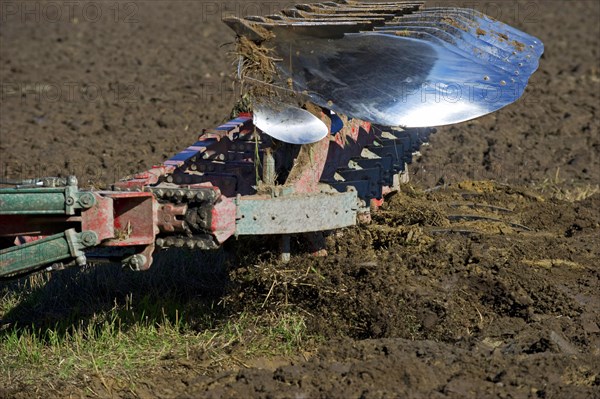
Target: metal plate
column 455, row 44
column 493, row 26
column 507, row 48
column 295, row 213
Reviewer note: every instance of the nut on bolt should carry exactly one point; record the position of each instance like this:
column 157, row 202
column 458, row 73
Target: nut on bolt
column 88, row 238
column 86, row 200
column 135, row 262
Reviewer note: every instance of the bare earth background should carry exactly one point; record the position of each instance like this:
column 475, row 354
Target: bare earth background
column 105, row 89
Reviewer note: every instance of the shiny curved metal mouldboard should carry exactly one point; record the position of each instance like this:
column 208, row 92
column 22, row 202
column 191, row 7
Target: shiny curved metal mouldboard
column 394, row 80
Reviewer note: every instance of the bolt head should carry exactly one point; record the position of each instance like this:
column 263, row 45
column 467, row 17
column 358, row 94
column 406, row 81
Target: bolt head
column 88, row 238
column 86, row 200
column 71, row 181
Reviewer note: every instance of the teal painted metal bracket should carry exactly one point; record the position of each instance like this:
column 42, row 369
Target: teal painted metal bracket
column 44, row 200
column 59, row 247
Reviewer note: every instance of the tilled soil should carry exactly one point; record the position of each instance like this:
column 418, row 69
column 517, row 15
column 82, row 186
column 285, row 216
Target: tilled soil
column 472, row 289
column 489, row 291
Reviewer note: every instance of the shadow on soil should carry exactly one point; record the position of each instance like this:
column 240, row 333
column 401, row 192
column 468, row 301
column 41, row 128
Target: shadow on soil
column 180, row 285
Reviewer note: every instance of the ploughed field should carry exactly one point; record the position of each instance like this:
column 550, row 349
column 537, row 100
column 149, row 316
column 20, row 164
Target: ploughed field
column 479, row 279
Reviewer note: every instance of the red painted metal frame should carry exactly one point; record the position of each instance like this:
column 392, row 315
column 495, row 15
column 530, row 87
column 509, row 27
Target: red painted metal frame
column 135, row 218
column 313, row 163
column 131, row 216
column 223, row 219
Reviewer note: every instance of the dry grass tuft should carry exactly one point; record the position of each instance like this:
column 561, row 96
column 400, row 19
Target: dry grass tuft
column 561, row 189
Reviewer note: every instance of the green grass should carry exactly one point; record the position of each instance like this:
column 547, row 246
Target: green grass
column 118, row 324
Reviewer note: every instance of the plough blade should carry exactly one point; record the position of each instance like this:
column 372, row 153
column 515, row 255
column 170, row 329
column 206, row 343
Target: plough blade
column 395, row 64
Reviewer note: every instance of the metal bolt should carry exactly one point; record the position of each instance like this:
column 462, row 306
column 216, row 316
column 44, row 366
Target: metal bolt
column 69, row 201
column 136, row 262
column 86, row 200
column 81, row 260
column 200, row 196
column 160, row 242
column 71, row 181
column 88, row 238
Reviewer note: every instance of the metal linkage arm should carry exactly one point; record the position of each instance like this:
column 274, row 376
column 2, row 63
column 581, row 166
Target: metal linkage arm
column 45, row 200
column 42, row 225
column 21, row 259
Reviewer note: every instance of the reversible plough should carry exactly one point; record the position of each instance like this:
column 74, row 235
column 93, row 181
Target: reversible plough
column 336, row 98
